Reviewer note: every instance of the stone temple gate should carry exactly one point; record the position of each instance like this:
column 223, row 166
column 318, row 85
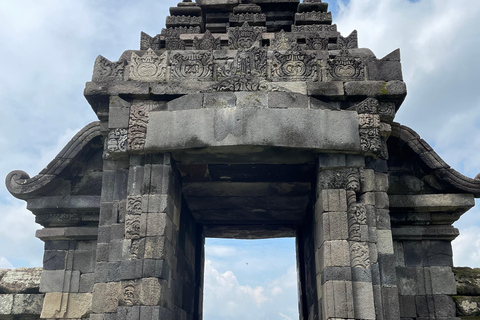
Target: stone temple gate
column 247, row 119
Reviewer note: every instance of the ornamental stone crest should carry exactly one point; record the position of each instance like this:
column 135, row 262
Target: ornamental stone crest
column 350, row 42
column 105, row 70
column 316, row 42
column 294, row 66
column 192, row 65
column 174, row 43
column 149, row 67
column 147, row 42
column 207, row 42
column 344, row 67
column 244, row 37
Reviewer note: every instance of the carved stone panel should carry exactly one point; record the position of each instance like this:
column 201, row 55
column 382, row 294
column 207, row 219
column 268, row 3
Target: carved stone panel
column 245, row 37
column 129, row 294
column 137, row 128
column 116, row 143
column 169, row 32
column 314, row 28
column 252, row 61
column 284, row 42
column 149, row 67
column 241, row 83
column 253, row 18
column 192, row 65
column 360, row 256
column 105, row 70
column 346, row 68
column 147, row 42
column 369, row 105
column 294, row 66
column 174, row 43
column 207, row 42
column 350, row 42
column 175, row 21
column 316, row 42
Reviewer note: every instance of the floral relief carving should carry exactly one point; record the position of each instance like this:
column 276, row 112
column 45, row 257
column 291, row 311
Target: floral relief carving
column 192, row 66
column 207, row 42
column 105, row 70
column 360, row 256
column 116, row 142
column 148, row 67
column 344, row 67
column 244, row 37
column 294, row 66
column 137, row 127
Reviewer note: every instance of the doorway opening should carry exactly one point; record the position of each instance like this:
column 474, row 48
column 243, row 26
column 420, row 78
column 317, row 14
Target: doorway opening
column 250, row 279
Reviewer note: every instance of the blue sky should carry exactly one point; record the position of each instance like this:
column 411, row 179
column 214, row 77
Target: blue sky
column 47, row 53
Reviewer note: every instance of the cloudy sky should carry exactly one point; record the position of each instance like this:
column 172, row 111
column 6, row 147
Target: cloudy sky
column 47, row 50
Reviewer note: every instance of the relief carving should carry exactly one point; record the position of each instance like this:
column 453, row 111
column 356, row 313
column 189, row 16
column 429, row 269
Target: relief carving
column 247, row 17
column 345, row 68
column 135, row 249
column 247, row 62
column 316, row 43
column 360, row 257
column 116, row 142
column 244, row 37
column 370, row 140
column 137, row 127
column 148, row 42
column 350, row 42
column 183, row 20
column 130, row 294
column 170, row 32
column 192, row 66
column 134, row 205
column 207, row 42
column 284, row 42
column 132, row 226
column 241, row 83
column 105, row 70
column 386, row 110
column 174, row 43
column 148, row 67
column 369, row 105
column 337, row 179
column 317, row 16
column 294, row 66
column 314, row 28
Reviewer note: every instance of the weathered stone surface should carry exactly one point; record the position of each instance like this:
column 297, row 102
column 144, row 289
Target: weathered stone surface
column 67, row 305
column 468, row 281
column 235, row 126
column 27, row 304
column 20, row 280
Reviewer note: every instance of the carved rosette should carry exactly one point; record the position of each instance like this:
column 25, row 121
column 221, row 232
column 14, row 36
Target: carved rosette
column 207, row 42
column 147, row 42
column 247, row 62
column 105, row 70
column 244, row 37
column 294, row 66
column 116, row 143
column 138, row 122
column 192, row 66
column 345, row 68
column 149, row 67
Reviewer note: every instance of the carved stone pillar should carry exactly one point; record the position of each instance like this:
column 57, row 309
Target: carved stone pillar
column 354, row 255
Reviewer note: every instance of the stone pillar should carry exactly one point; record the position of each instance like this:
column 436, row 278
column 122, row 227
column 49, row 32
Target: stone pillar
column 422, row 233
column 354, row 255
column 146, row 256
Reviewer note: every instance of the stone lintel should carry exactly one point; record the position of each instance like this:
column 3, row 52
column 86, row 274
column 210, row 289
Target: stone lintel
column 432, row 203
column 67, row 233
column 440, row 232
column 64, row 204
column 291, row 128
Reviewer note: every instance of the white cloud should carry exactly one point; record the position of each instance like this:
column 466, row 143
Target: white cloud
column 225, row 297
column 466, row 248
column 5, row 264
